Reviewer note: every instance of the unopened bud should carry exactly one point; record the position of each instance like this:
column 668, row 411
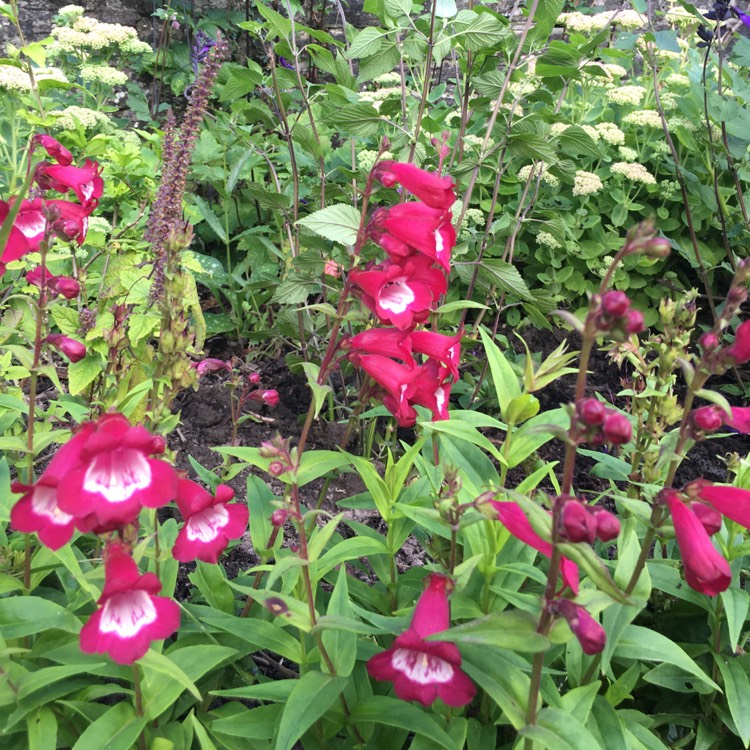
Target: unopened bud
column 708, row 342
column 607, row 525
column 578, row 525
column 589, row 632
column 617, row 428
column 709, row 517
column 279, row 517
column 67, row 287
column 72, row 349
column 591, row 411
column 657, row 247
column 635, row 321
column 270, row 397
column 158, row 444
column 707, row 418
column 254, row 378
column 615, row 303
column 276, row 468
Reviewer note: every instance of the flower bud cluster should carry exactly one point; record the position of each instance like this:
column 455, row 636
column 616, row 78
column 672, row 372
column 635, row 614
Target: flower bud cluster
column 596, row 423
column 614, row 316
column 705, row 419
column 581, row 523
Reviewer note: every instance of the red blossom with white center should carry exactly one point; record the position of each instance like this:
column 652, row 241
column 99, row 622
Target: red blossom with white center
column 38, row 510
column 445, row 349
column 432, row 390
column 210, row 522
column 401, row 294
column 423, row 670
column 115, row 476
column 84, row 181
column 398, row 381
column 431, row 188
column 705, row 568
column 511, row 515
column 27, row 230
column 131, row 614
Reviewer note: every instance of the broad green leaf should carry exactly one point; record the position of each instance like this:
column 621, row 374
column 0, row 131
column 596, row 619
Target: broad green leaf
column 321, row 536
column 642, row 643
column 276, row 691
column 532, row 435
column 513, row 630
column 242, row 80
column 26, row 615
column 204, row 741
column 209, row 580
column 42, row 729
column 259, row 724
column 737, row 691
column 310, row 698
column 319, row 391
column 315, row 464
column 338, row 223
column 610, row 726
column 348, row 549
column 462, row 431
column 30, row 682
column 505, row 379
column 585, row 557
column 211, row 218
column 381, row 709
column 341, row 644
column 161, row 690
column 556, row 729
column 261, row 634
column 476, row 31
column 367, row 43
column 153, row 661
column 736, row 602
column 82, row 374
column 117, row 729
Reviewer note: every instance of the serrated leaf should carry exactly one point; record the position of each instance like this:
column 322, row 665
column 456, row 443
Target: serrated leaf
column 242, row 80
column 367, row 43
column 338, row 223
column 82, row 374
column 476, row 31
column 211, row 218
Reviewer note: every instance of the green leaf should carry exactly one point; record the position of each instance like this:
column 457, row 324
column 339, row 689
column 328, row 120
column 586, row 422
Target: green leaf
column 261, row 634
column 476, row 31
column 642, row 643
column 367, row 43
column 161, row 690
column 534, row 434
column 736, row 603
column 341, row 644
column 310, row 698
column 338, row 223
column 397, row 8
column 153, row 661
column 513, row 630
column 117, row 729
column 737, row 691
column 505, row 277
column 556, row 729
column 278, row 691
column 211, row 218
column 504, row 378
column 42, row 729
column 462, row 431
column 30, row 682
column 82, row 374
column 319, row 391
column 585, row 557
column 381, row 709
column 209, row 580
column 242, row 80
column 26, row 615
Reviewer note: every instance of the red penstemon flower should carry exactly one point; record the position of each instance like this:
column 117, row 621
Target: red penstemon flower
column 27, row 231
column 445, row 349
column 423, row 670
column 398, row 381
column 55, row 149
column 388, row 342
column 705, row 568
column 432, row 390
column 84, row 181
column 131, row 614
column 210, row 522
column 72, row 349
column 115, row 477
column 401, row 294
column 511, row 515
column 432, row 189
column 738, row 352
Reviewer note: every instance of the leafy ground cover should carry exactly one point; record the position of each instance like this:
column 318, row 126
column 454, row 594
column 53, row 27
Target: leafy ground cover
column 376, row 387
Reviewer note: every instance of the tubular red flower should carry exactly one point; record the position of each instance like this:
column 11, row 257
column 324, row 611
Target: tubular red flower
column 511, row 515
column 589, row 632
column 740, row 419
column 444, row 349
column 84, row 181
column 398, row 381
column 72, row 349
column 429, row 187
column 55, row 149
column 210, row 522
column 425, row 670
column 731, row 502
column 131, row 616
column 115, row 477
column 705, row 569
column 27, row 230
column 73, row 221
column 432, row 390
column 738, row 352
column 388, row 342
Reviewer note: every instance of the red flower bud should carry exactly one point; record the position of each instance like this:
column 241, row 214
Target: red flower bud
column 607, row 525
column 635, row 321
column 254, row 378
column 591, row 411
column 708, row 342
column 279, row 517
column 591, row 635
column 270, row 397
column 615, row 303
column 617, row 428
column 55, row 149
column 578, row 523
column 158, row 444
column 72, row 349
column 67, row 287
column 707, row 418
column 709, row 517
column 276, row 468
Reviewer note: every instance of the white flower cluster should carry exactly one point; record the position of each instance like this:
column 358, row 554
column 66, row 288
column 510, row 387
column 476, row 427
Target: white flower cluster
column 99, row 224
column 629, row 154
column 630, row 20
column 682, row 122
column 547, row 178
column 610, row 133
column 669, row 188
column 89, row 34
column 388, row 79
column 366, row 158
column 677, row 81
column 17, row 79
column 678, row 16
column 528, row 85
column 593, row 70
column 103, row 74
column 669, row 101
column 473, row 140
column 558, row 127
column 643, row 118
column 586, row 183
column 627, row 19
column 626, row 95
column 545, row 239
column 70, row 117
column 70, row 13
column 660, row 147
column 633, row 171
